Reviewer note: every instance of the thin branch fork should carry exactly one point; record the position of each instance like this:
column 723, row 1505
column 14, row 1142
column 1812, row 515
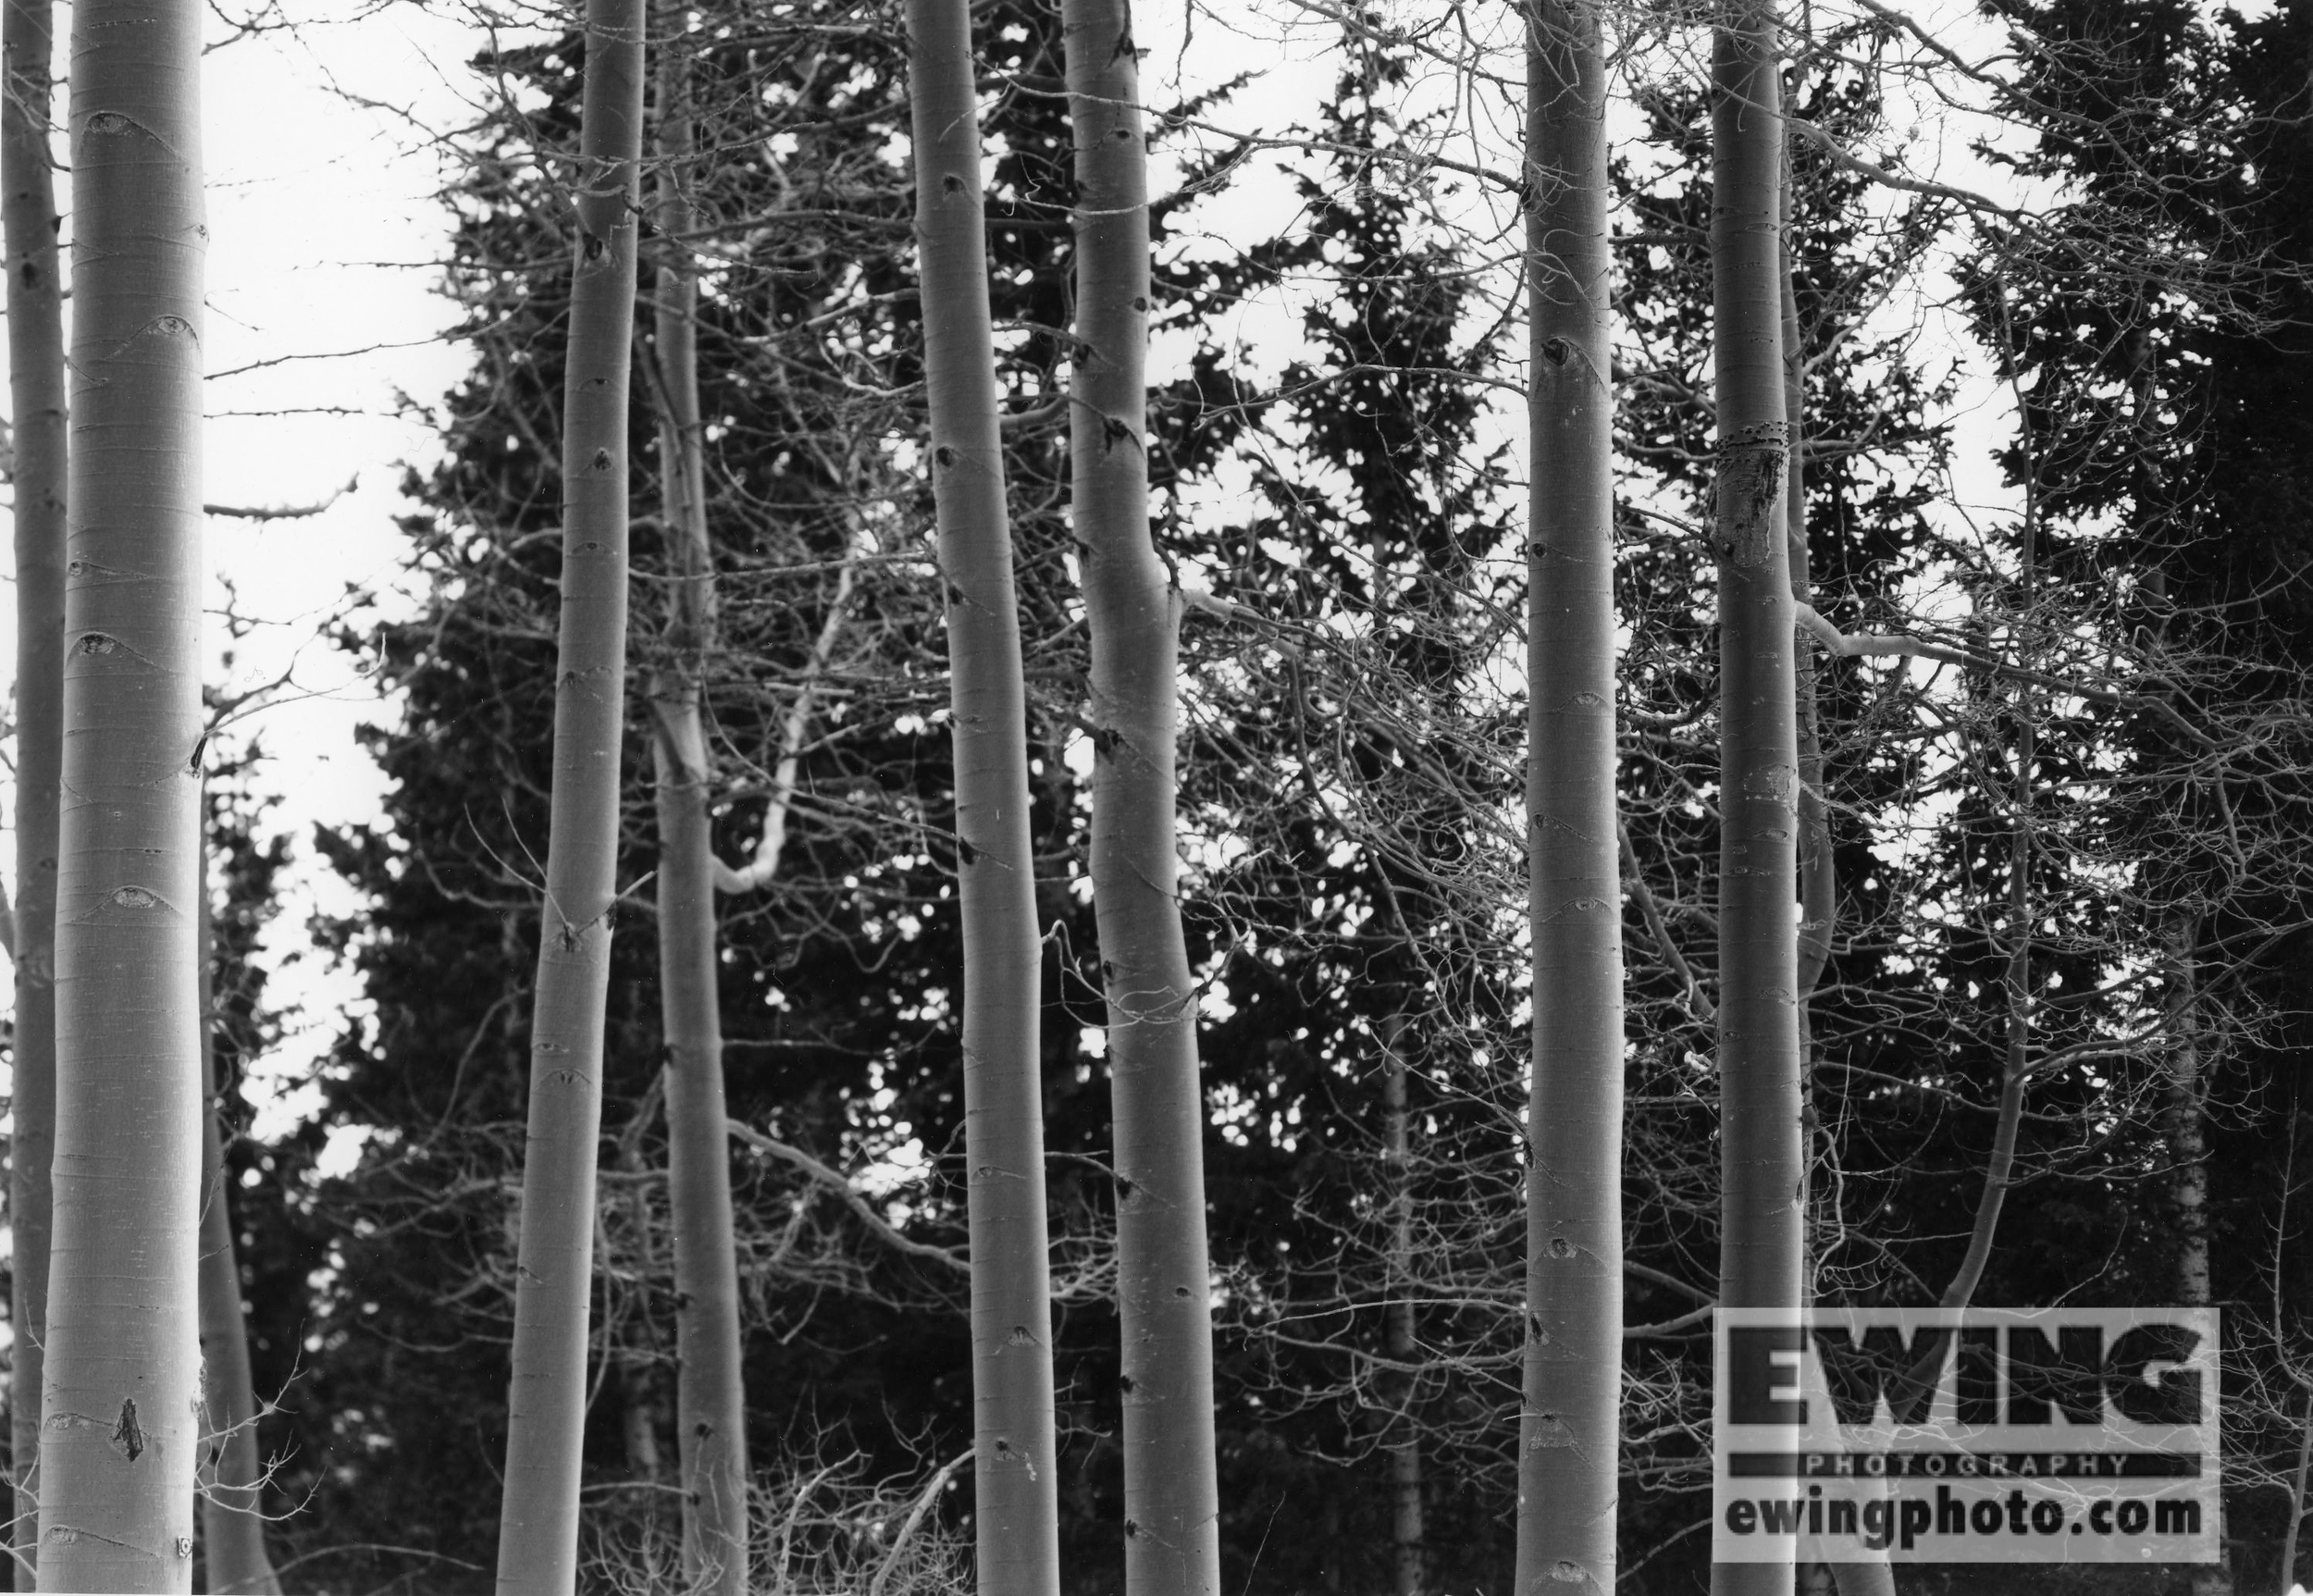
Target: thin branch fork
column 1902, row 645
column 835, row 1182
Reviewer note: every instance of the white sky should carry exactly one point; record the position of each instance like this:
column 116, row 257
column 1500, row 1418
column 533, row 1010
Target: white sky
column 323, row 232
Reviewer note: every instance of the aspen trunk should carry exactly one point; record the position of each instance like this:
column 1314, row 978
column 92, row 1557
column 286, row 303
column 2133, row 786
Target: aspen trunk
column 1570, row 1426
column 1171, row 1497
column 1763, row 1164
column 232, row 1526
column 1017, row 1512
column 2188, row 1142
column 537, row 1547
column 1817, row 887
column 28, row 218
column 710, row 1401
column 122, row 1383
column 2188, row 1148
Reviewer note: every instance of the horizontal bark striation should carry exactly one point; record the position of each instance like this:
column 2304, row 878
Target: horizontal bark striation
column 122, row 1400
column 36, row 384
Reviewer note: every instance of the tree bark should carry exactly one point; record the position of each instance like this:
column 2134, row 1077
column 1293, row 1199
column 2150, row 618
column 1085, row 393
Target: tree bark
column 122, row 1383
column 1762, row 1165
column 1817, row 886
column 35, row 309
column 1017, row 1512
column 538, row 1549
column 232, row 1522
column 1171, row 1496
column 121, row 1378
column 1570, row 1426
column 710, row 1399
column 2188, row 1149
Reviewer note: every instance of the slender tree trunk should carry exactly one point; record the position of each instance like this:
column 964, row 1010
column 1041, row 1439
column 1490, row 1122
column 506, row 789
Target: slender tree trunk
column 1405, row 1473
column 710, row 1401
column 537, row 1547
column 1570, row 1426
column 122, row 1383
column 1171, row 1496
column 2188, row 1148
column 2188, row 1145
column 1763, row 1171
column 28, row 216
column 1999, row 1171
column 1817, row 886
column 1017, row 1508
column 232, row 1525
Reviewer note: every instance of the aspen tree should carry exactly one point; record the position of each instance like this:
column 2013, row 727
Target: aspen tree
column 1817, row 886
column 1171, row 1497
column 1570, row 1423
column 232, row 1526
column 121, row 1389
column 1015, row 1474
column 1762, row 1166
column 538, row 1547
column 710, row 1399
column 35, row 307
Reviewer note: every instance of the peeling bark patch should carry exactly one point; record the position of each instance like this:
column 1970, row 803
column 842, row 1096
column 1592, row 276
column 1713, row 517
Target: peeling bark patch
column 1777, row 784
column 128, row 1437
column 1751, row 469
column 1549, row 1432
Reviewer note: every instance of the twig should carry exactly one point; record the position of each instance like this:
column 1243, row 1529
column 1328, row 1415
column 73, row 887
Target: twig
column 835, row 1182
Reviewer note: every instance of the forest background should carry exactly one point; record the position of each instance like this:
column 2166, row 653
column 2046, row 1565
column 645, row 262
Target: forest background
column 2017, row 443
